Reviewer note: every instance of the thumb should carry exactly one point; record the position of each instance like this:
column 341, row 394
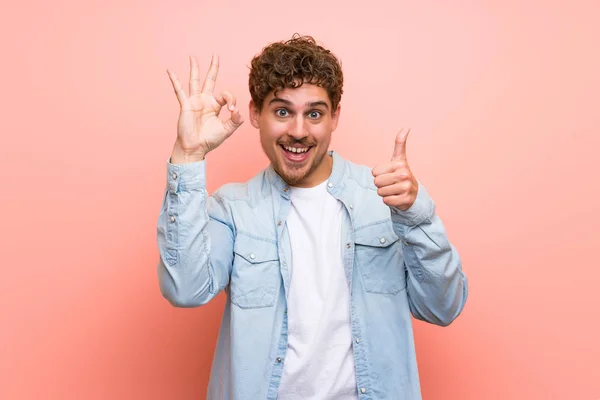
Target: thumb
column 234, row 122
column 400, row 146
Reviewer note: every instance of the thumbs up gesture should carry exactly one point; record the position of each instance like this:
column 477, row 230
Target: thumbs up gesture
column 394, row 180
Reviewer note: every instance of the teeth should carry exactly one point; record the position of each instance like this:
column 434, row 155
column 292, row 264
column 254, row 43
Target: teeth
column 296, row 150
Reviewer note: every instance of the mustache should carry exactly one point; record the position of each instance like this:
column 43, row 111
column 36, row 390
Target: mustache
column 305, row 142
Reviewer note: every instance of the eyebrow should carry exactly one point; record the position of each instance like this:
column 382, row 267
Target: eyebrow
column 289, row 103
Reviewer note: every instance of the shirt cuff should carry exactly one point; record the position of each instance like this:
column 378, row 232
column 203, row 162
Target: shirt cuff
column 186, row 177
column 423, row 209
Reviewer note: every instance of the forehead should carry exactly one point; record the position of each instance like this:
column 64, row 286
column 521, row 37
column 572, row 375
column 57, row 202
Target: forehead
column 301, row 96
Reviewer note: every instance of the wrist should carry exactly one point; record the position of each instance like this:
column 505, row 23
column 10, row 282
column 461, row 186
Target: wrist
column 179, row 156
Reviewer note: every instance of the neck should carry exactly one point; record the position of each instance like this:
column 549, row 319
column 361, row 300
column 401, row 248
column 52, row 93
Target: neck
column 321, row 174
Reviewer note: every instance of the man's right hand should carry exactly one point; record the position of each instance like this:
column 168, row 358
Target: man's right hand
column 199, row 129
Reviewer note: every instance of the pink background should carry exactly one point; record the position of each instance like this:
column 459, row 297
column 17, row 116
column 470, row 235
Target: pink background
column 502, row 99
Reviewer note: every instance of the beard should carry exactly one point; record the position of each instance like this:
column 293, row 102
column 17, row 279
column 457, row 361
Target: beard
column 294, row 174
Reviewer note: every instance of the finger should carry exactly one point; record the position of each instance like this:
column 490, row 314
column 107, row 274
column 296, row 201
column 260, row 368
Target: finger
column 397, row 189
column 234, row 122
column 179, row 92
column 391, row 178
column 387, row 167
column 237, row 118
column 382, row 169
column 211, row 75
column 400, row 146
column 194, row 76
column 397, row 201
column 226, row 98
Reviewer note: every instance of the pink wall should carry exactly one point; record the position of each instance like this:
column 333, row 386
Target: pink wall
column 502, row 99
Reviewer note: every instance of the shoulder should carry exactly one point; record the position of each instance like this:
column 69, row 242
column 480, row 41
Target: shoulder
column 359, row 174
column 250, row 191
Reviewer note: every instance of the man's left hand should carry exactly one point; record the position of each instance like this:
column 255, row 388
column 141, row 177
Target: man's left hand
column 395, row 182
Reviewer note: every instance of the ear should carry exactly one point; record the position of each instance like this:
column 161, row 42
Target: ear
column 335, row 116
column 254, row 114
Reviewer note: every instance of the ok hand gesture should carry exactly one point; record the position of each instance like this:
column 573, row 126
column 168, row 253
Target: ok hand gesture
column 199, row 129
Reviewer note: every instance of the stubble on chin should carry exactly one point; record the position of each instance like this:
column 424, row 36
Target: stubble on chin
column 296, row 176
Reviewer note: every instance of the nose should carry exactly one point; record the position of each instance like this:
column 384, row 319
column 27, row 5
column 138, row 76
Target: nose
column 297, row 128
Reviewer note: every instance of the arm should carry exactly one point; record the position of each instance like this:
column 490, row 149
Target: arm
column 195, row 239
column 437, row 287
column 195, row 231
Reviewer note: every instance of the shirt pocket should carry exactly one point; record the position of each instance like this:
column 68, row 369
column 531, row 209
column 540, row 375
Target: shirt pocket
column 378, row 256
column 255, row 273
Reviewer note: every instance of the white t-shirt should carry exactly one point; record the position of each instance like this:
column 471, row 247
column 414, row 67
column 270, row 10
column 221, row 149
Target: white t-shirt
column 319, row 362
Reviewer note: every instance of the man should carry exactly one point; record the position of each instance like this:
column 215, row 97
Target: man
column 323, row 261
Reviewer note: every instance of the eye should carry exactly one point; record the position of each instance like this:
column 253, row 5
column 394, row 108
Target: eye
column 281, row 112
column 314, row 114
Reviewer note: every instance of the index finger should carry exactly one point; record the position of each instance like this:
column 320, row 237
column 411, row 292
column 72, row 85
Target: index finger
column 383, row 169
column 211, row 75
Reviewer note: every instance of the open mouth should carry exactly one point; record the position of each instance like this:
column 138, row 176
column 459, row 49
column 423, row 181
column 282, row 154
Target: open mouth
column 296, row 153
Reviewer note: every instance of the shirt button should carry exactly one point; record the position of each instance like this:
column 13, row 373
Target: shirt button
column 172, row 218
column 285, row 189
column 348, row 245
column 406, row 243
column 283, row 263
column 278, row 360
column 174, row 176
column 382, row 240
column 252, row 256
column 357, row 340
column 350, row 206
column 363, row 390
column 278, row 223
column 330, row 185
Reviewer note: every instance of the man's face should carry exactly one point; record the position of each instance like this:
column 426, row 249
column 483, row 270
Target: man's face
column 295, row 131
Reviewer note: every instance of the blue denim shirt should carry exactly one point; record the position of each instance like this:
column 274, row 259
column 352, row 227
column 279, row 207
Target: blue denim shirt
column 397, row 264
